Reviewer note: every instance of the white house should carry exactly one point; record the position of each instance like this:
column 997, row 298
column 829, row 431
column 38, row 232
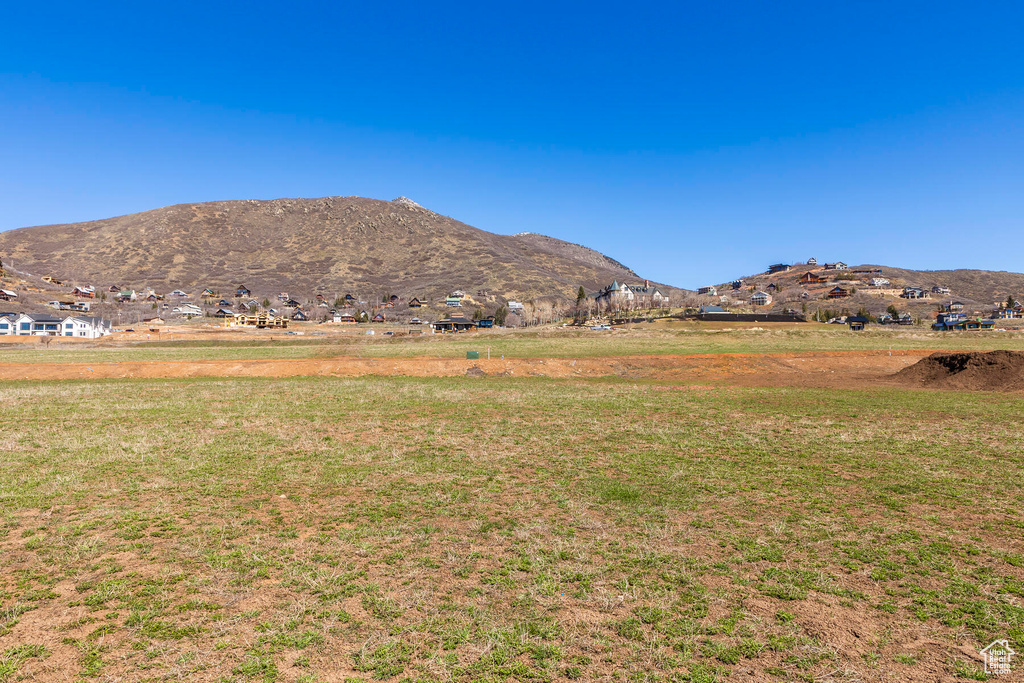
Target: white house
column 42, row 325
column 82, row 327
column 7, row 325
column 7, row 295
column 879, row 282
column 760, row 299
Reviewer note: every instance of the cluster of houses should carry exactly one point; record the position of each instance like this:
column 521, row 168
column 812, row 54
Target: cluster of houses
column 45, row 325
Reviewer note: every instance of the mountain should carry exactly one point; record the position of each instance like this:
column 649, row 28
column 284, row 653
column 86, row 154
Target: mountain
column 331, row 245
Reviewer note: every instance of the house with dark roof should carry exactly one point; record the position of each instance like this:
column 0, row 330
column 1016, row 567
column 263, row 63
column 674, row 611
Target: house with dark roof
column 242, row 291
column 456, row 324
column 838, row 292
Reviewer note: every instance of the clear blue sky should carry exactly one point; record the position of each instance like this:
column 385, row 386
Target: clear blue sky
column 693, row 141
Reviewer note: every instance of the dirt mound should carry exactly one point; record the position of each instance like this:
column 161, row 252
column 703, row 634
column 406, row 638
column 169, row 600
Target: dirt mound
column 970, row 371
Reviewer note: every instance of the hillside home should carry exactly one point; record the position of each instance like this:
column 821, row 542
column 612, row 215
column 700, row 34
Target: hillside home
column 126, row 295
column 224, row 313
column 458, row 293
column 838, row 265
column 737, row 284
column 282, row 296
column 345, row 318
column 394, row 298
column 515, row 307
column 760, row 299
column 415, row 321
column 84, row 292
column 779, row 268
column 319, row 298
column 415, row 303
column 812, row 261
column 646, row 295
column 453, row 302
column 224, row 303
column 299, row 315
column 292, row 303
column 7, row 325
column 349, row 299
column 914, row 293
column 379, row 318
column 838, row 293
column 113, row 289
column 189, row 309
column 906, row 319
column 7, row 295
column 709, row 290
column 70, row 305
column 258, row 320
column 886, row 319
column 252, row 304
column 208, row 293
column 178, row 293
column 811, row 279
column 956, row 307
column 879, row 282
column 485, row 323
column 941, row 291
column 241, row 291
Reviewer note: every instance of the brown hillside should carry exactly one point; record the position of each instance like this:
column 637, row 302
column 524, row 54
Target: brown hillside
column 331, row 245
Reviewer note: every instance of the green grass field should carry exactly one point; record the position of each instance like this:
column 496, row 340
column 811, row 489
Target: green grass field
column 504, row 529
column 531, row 343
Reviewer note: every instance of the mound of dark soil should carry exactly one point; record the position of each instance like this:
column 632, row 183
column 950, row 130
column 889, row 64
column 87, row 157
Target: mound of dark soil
column 970, row 371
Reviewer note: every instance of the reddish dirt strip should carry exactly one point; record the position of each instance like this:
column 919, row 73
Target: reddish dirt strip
column 822, row 368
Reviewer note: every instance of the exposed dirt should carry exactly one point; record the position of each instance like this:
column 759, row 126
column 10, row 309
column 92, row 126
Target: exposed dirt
column 969, row 371
column 847, row 369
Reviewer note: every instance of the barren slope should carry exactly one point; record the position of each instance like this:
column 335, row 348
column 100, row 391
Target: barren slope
column 331, row 244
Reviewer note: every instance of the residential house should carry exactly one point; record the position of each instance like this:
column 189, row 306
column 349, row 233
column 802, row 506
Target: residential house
column 709, row 290
column 349, row 300
column 812, row 261
column 7, row 295
column 941, row 290
column 914, row 293
column 706, row 310
column 292, row 303
column 760, row 299
column 737, row 284
column 394, row 299
column 70, row 305
column 189, row 310
column 457, row 324
column 458, row 293
column 299, row 315
column 252, row 304
column 224, row 313
column 208, row 293
column 515, row 307
column 453, row 302
column 811, row 279
column 38, row 324
column 485, row 323
column 224, row 303
column 113, row 289
column 379, row 318
column 779, row 268
column 242, row 291
column 886, row 319
column 906, row 319
column 415, row 321
column 178, row 293
column 7, row 324
column 956, row 307
column 415, row 303
column 319, row 298
column 879, row 282
column 345, row 318
column 84, row 292
column 838, row 265
column 646, row 295
column 126, row 295
column 838, row 293
column 259, row 320
column 282, row 296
